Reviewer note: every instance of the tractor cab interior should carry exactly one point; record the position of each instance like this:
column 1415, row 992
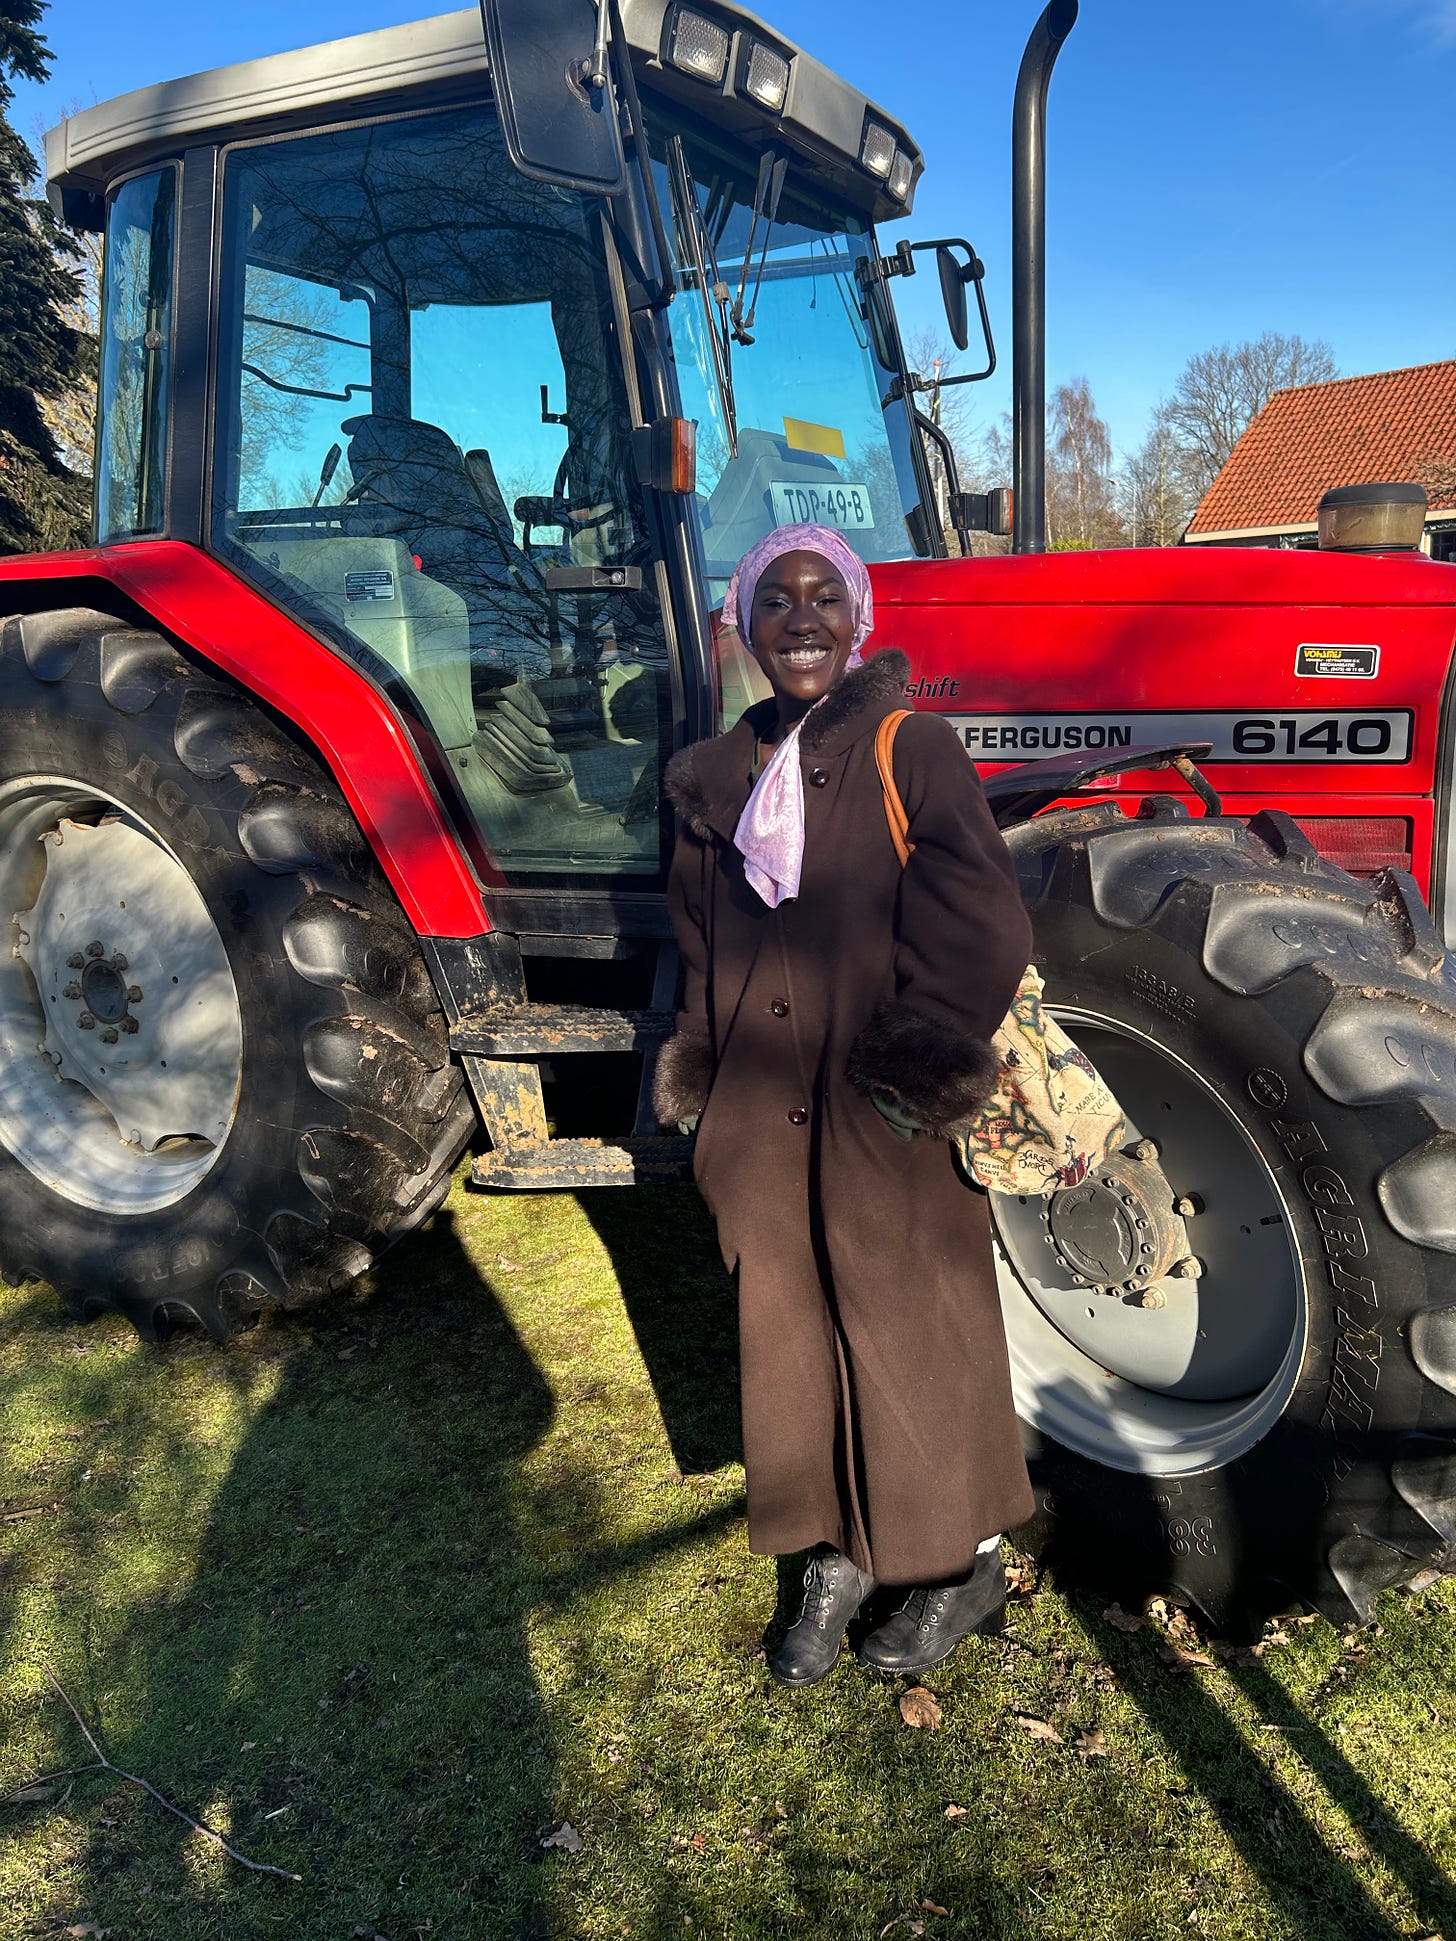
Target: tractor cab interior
column 421, row 414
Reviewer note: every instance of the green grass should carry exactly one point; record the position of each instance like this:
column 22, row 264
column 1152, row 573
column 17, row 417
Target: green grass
column 386, row 1590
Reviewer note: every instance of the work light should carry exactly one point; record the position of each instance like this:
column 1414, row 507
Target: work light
column 766, row 77
column 877, row 150
column 699, row 46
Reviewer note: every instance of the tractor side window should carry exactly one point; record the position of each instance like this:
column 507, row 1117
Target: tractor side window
column 136, row 358
column 424, row 452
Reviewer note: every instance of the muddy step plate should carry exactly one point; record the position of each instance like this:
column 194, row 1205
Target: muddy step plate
column 573, row 1163
column 549, row 1030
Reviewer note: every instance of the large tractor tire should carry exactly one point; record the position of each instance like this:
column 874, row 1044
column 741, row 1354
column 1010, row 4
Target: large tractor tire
column 224, row 1078
column 1272, row 1422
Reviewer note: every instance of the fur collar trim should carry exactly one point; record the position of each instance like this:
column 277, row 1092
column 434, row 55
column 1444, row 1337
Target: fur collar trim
column 881, row 679
column 683, row 787
column 696, row 778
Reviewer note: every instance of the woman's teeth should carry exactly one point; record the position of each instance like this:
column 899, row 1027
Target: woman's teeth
column 803, row 657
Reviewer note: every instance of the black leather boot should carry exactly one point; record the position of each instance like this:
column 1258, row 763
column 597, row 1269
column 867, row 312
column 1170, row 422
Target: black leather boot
column 834, row 1589
column 935, row 1617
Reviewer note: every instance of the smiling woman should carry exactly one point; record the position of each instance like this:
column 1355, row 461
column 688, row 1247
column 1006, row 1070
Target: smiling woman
column 836, row 1025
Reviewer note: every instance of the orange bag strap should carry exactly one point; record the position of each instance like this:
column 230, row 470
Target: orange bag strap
column 884, row 761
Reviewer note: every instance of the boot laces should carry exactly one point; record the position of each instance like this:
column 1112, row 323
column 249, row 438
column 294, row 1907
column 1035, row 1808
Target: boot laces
column 925, row 1607
column 821, row 1581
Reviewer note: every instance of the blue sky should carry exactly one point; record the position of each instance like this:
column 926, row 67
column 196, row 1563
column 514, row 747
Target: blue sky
column 1214, row 170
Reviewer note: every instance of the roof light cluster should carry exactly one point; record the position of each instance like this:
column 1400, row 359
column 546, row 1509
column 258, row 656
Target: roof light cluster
column 879, row 154
column 700, row 45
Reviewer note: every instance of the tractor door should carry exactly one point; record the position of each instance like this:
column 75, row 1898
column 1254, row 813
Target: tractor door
column 424, row 452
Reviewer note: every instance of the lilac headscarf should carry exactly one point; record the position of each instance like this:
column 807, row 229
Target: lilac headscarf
column 770, row 832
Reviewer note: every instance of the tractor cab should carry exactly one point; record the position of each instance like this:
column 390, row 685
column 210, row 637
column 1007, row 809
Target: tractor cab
column 494, row 431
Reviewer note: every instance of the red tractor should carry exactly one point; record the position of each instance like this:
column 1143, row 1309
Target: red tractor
column 330, row 820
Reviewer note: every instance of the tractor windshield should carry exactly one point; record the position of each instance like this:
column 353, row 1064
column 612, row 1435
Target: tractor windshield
column 815, row 439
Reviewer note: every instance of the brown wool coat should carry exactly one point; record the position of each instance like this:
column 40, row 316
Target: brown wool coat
column 877, row 1411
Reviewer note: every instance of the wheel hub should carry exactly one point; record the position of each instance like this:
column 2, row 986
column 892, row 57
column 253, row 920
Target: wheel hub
column 1117, row 1230
column 137, row 1005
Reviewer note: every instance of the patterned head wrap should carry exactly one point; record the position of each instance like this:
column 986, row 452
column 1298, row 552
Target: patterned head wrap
column 832, row 545
column 770, row 832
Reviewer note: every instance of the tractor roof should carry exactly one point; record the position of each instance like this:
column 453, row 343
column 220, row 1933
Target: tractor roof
column 443, row 57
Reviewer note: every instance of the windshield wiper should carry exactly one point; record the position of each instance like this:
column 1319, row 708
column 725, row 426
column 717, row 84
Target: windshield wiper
column 700, row 252
column 770, row 186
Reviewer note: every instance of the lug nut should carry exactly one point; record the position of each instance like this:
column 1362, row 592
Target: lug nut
column 86, row 1021
column 75, row 961
column 95, row 949
column 118, row 962
column 1187, row 1269
column 1145, row 1150
column 133, row 993
column 72, row 990
column 129, row 1025
column 1152, row 1297
column 1188, row 1206
column 109, row 1035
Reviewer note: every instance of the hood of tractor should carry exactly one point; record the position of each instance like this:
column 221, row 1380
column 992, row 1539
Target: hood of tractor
column 1317, row 678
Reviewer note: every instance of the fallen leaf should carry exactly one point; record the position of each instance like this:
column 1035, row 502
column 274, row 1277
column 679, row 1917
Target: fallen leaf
column 1180, row 1660
column 565, row 1836
column 1091, row 1745
column 249, row 1745
column 87, row 1927
column 955, row 1812
column 902, row 1921
column 36, row 1795
column 103, row 1821
column 932, row 1908
column 698, row 1841
column 781, row 1811
column 918, row 1707
column 1038, row 1728
column 1123, row 1620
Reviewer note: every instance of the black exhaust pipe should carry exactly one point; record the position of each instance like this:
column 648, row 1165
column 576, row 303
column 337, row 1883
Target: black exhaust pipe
column 1028, row 276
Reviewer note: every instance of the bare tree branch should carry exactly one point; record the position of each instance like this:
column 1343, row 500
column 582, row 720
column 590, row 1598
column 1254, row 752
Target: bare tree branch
column 258, row 1866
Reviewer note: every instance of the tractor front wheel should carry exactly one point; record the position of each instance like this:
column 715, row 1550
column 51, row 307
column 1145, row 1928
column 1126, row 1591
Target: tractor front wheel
column 1272, row 1421
column 224, row 1078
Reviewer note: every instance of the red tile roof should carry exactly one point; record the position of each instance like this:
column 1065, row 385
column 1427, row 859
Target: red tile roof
column 1389, row 425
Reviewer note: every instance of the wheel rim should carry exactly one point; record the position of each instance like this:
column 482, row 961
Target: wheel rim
column 1190, row 1384
column 120, row 1030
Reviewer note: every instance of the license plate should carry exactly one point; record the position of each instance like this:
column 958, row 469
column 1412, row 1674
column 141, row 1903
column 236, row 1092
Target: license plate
column 835, row 503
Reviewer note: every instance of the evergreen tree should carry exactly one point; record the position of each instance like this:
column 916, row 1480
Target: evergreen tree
column 42, row 504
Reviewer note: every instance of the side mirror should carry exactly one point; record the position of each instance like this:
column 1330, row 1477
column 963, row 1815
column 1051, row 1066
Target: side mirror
column 553, row 92
column 953, row 293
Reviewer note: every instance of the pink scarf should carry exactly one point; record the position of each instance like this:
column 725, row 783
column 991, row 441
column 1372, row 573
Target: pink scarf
column 770, row 832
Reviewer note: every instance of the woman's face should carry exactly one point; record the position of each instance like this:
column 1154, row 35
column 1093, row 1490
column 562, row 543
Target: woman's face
column 801, row 628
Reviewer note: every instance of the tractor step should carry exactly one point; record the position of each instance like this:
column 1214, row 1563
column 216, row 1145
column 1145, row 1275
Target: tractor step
column 550, row 1030
column 573, row 1163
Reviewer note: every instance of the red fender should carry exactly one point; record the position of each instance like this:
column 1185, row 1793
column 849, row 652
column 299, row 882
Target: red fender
column 350, row 723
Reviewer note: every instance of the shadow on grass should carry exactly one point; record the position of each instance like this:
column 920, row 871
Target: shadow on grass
column 1318, row 1888
column 683, row 1311
column 339, row 1676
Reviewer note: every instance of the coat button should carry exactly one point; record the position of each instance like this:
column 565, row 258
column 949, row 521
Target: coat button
column 779, row 1008
column 818, row 777
column 798, row 1116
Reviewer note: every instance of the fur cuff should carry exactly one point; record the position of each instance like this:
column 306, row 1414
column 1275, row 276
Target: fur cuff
column 682, row 1078
column 938, row 1075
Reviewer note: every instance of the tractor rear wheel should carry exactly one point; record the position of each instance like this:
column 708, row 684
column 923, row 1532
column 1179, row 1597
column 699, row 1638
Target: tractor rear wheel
column 1273, row 1422
column 224, row 1078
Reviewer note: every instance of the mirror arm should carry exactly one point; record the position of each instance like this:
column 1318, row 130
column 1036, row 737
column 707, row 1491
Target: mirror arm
column 942, row 443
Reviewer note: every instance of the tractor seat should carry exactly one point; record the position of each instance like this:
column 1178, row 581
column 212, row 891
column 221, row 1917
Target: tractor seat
column 413, row 476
